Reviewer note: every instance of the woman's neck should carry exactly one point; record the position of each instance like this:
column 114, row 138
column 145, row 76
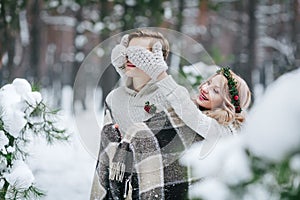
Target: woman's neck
column 138, row 83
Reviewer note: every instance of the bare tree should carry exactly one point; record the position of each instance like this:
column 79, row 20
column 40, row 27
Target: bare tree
column 251, row 42
column 35, row 33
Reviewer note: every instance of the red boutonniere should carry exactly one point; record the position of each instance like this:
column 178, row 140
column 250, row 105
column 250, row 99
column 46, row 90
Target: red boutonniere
column 151, row 109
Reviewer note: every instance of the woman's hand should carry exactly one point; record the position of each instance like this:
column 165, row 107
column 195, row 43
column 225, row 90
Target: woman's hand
column 118, row 55
column 163, row 75
column 152, row 63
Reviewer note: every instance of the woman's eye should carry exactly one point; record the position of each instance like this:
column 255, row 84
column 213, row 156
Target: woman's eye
column 216, row 91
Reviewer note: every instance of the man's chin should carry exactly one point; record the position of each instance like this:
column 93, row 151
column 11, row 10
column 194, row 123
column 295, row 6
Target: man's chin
column 128, row 73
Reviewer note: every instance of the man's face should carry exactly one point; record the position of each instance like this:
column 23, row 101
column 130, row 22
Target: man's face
column 131, row 70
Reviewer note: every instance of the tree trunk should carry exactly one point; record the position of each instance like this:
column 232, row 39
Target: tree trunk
column 296, row 31
column 76, row 64
column 7, row 43
column 180, row 16
column 239, row 45
column 251, row 43
column 2, row 39
column 35, row 41
column 109, row 76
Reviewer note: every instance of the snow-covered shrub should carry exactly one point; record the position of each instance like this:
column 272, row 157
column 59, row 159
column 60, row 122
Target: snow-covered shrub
column 23, row 115
column 263, row 162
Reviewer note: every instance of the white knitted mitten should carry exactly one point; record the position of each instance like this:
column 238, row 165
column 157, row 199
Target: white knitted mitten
column 118, row 55
column 152, row 63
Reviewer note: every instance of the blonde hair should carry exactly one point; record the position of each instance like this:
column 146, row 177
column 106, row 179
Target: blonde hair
column 155, row 36
column 225, row 114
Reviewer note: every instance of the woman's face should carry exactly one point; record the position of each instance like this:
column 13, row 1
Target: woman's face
column 130, row 69
column 210, row 93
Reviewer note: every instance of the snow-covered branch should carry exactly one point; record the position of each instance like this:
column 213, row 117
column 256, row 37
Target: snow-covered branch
column 23, row 115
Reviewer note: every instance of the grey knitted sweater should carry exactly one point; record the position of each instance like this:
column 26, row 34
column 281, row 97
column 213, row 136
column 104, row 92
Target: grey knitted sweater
column 127, row 105
column 176, row 116
column 179, row 99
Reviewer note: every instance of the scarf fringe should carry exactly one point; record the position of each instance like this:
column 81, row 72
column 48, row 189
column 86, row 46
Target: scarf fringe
column 117, row 171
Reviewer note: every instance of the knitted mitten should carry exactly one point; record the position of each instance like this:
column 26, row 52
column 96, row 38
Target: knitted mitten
column 152, row 63
column 118, row 55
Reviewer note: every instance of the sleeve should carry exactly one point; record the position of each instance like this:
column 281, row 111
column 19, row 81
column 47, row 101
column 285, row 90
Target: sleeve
column 100, row 185
column 214, row 134
column 184, row 107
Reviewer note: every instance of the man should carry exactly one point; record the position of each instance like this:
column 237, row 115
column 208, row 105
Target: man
column 142, row 138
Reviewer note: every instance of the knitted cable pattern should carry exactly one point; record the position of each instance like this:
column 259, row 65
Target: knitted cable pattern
column 152, row 63
column 118, row 55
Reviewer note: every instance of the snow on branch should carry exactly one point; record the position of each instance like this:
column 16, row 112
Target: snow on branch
column 23, row 115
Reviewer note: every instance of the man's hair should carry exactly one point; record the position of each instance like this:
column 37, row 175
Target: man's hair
column 156, row 36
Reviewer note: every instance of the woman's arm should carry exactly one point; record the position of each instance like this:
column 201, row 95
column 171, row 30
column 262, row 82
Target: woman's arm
column 184, row 107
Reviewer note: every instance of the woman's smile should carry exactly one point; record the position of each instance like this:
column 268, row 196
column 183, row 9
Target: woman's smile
column 202, row 97
column 209, row 96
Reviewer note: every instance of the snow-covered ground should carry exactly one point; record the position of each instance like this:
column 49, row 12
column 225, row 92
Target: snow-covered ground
column 65, row 170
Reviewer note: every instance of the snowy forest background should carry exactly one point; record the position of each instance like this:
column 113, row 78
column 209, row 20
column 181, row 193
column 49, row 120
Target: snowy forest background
column 46, row 41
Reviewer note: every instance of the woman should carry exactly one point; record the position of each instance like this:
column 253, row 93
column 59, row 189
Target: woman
column 223, row 97
column 218, row 110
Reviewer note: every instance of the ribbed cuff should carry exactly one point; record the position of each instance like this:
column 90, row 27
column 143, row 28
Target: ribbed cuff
column 167, row 85
column 155, row 72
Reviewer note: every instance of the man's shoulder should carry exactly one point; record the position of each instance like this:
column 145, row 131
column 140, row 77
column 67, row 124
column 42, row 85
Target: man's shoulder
column 118, row 92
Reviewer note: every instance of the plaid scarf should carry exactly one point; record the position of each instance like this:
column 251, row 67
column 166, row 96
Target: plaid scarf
column 144, row 164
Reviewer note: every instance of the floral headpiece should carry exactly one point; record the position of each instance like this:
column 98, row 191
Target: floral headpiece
column 235, row 100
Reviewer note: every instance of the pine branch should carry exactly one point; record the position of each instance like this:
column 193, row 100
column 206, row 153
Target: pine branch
column 41, row 121
column 31, row 193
